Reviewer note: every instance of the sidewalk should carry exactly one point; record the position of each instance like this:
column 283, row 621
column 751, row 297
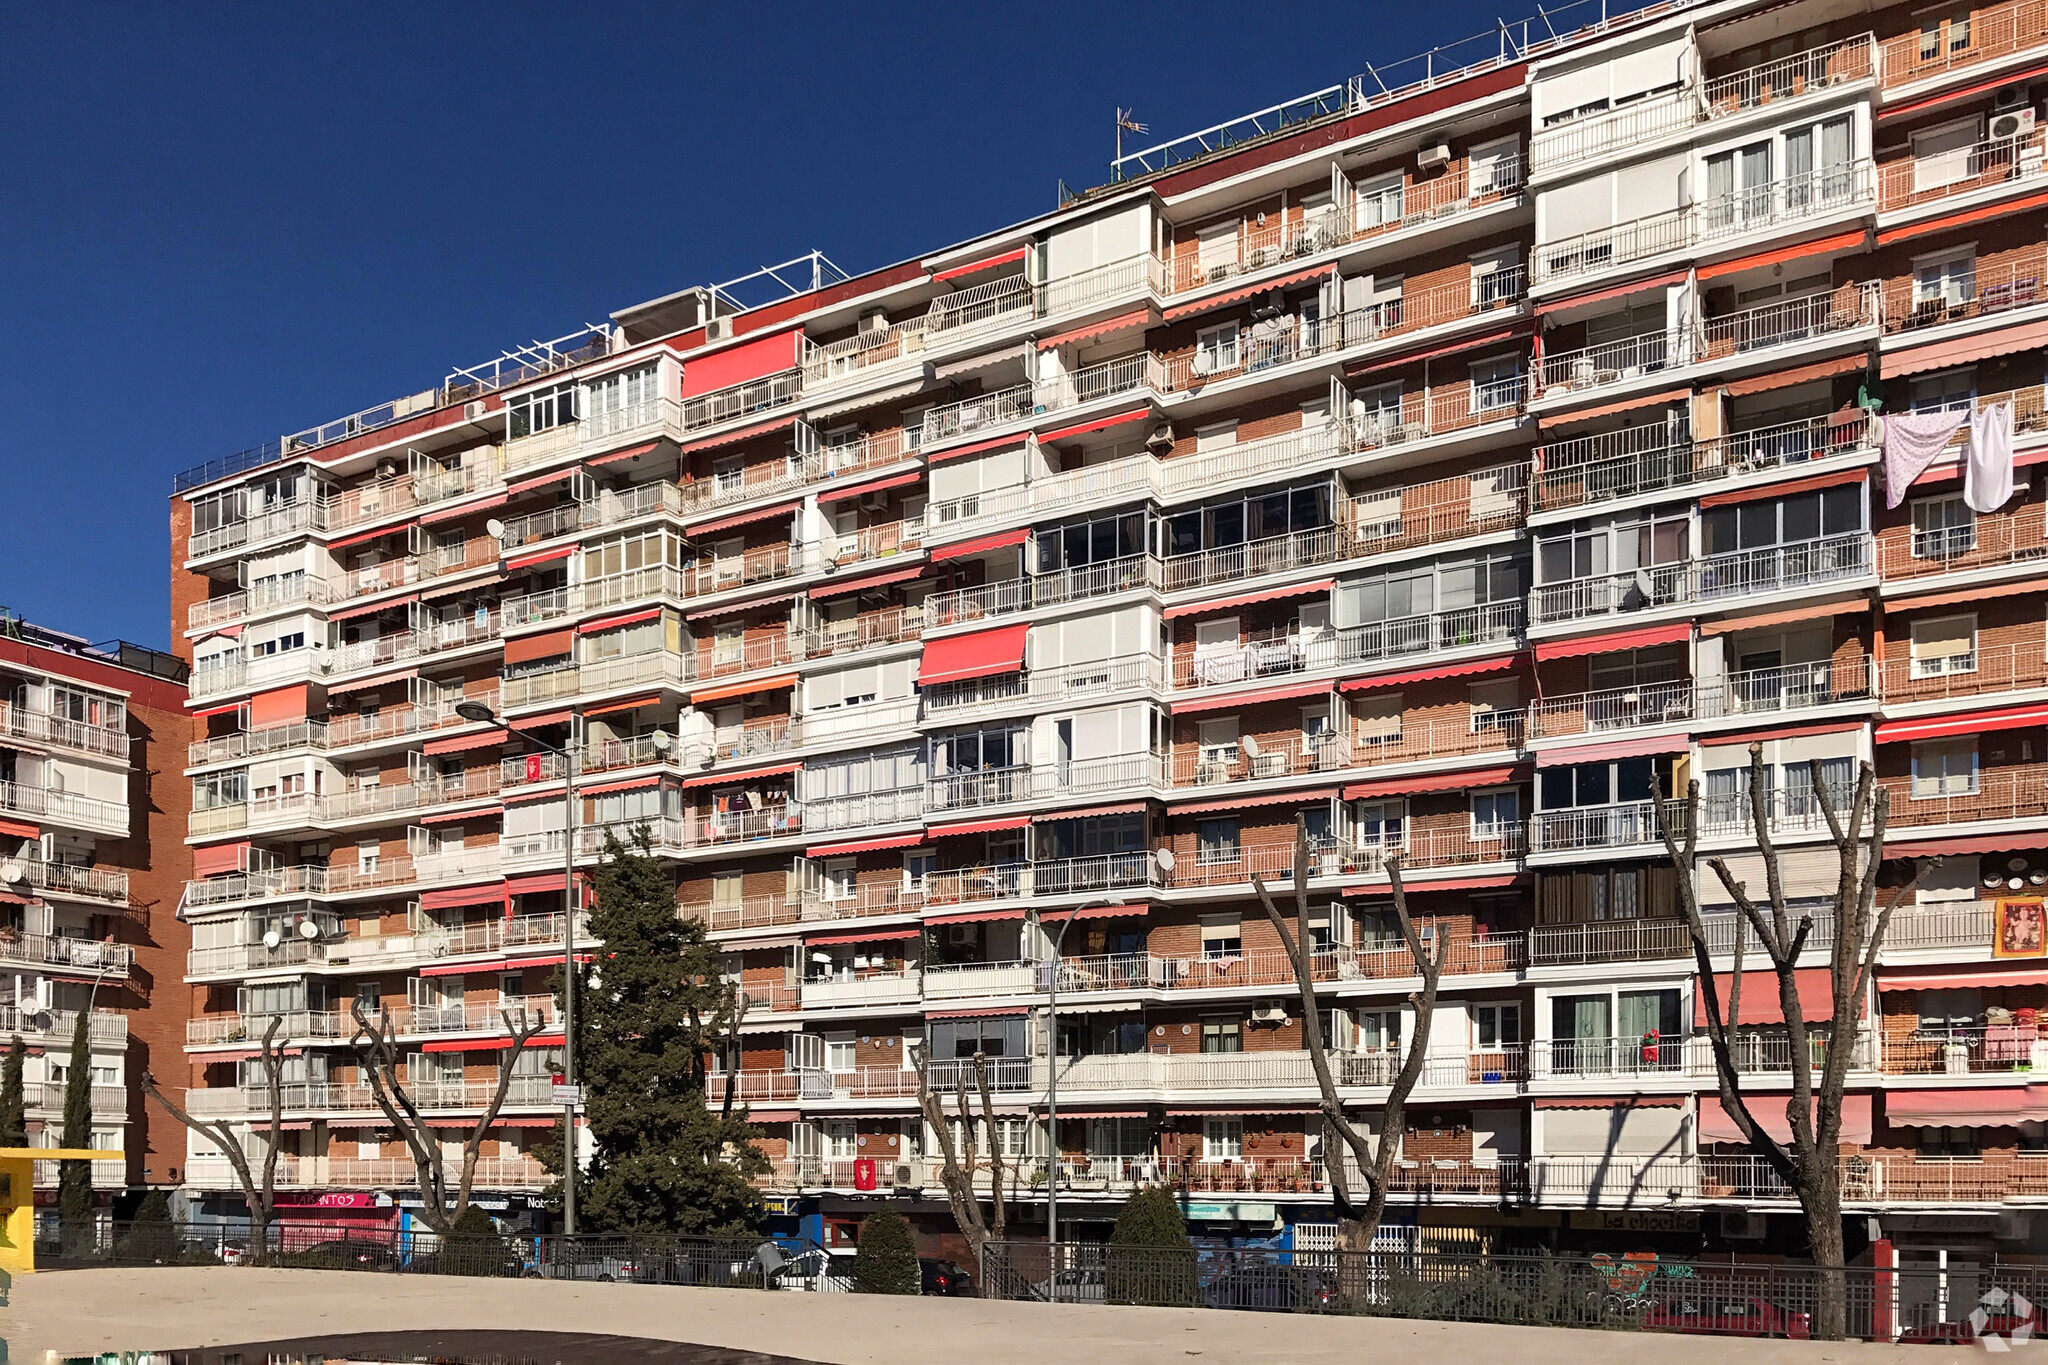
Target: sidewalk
column 80, row 1311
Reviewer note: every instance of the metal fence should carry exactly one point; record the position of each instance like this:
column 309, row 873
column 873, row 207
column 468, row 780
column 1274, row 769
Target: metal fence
column 1643, row 1293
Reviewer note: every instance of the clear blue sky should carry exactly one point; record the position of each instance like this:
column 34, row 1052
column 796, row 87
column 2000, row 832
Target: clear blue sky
column 219, row 223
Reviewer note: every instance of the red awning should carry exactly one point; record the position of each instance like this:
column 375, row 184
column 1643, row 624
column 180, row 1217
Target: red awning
column 1772, row 380
column 2000, row 1107
column 1783, row 618
column 865, row 845
column 492, row 1044
column 463, row 969
column 1965, row 723
column 363, row 536
column 1640, row 747
column 983, row 654
column 705, row 528
column 219, row 710
column 996, row 1012
column 1097, row 912
column 974, row 448
column 1611, row 292
column 1456, row 345
column 625, row 704
column 1217, row 703
column 975, row 917
column 540, row 557
column 841, row 588
column 614, row 622
column 1099, row 424
column 541, row 721
column 750, row 775
column 1980, row 975
column 210, row 861
column 1951, row 599
column 372, row 608
column 482, row 740
column 1760, row 1003
column 1439, row 782
column 1001, row 540
column 466, row 895
column 1455, row 883
column 741, row 689
column 978, row 827
column 1846, row 241
column 546, row 645
column 456, row 817
column 20, row 829
column 1770, row 1113
column 1987, row 843
column 381, row 680
column 841, row 492
column 1269, row 799
column 1270, row 595
column 1622, row 405
column 1780, row 490
column 1966, row 350
column 728, row 608
column 627, row 785
column 466, row 509
column 1677, row 632
column 538, row 481
column 2010, row 208
column 864, row 935
column 1477, row 666
column 1188, row 310
column 617, row 456
column 1122, row 322
column 733, row 438
column 976, row 267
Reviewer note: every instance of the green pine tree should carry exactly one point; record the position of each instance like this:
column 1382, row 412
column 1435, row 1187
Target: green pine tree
column 1151, row 1260
column 649, row 1010
column 74, row 1178
column 13, row 1097
column 886, row 1260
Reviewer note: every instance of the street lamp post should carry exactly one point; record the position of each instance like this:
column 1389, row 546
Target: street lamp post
column 477, row 711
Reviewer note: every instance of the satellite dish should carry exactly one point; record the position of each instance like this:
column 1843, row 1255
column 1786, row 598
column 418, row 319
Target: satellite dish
column 1164, row 859
column 12, row 872
column 271, row 938
column 1250, row 746
column 662, row 741
column 308, row 929
column 495, row 529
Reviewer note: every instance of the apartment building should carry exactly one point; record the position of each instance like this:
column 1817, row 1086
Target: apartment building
column 92, row 862
column 1430, row 466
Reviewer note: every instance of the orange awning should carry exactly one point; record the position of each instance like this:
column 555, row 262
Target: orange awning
column 1781, row 490
column 705, row 528
column 1099, row 424
column 1622, row 405
column 741, row 689
column 1439, row 782
column 1229, row 296
column 1844, row 241
column 1677, row 632
column 1228, row 699
column 1269, row 799
column 1418, row 675
column 1804, row 374
column 1123, row 322
column 1966, row 350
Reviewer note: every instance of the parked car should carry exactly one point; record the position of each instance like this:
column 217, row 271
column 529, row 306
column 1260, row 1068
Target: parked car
column 945, row 1278
column 2002, row 1325
column 1727, row 1317
column 1271, row 1288
column 1085, row 1284
column 342, row 1253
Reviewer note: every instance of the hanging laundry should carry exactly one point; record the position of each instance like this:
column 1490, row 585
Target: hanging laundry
column 1912, row 440
column 1987, row 465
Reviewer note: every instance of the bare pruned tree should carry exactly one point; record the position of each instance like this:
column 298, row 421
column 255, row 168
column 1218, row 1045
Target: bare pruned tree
column 960, row 1162
column 260, row 1196
column 1374, row 1157
column 1810, row 1162
column 376, row 1045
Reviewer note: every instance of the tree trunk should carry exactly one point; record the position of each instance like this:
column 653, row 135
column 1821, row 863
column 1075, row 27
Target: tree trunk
column 1820, row 1197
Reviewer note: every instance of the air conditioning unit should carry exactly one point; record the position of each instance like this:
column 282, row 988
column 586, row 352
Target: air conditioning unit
column 2011, row 125
column 2008, row 97
column 957, row 934
column 874, row 321
column 1161, row 440
column 1434, row 154
column 1268, row 307
column 718, row 329
column 1270, row 1014
column 473, row 411
column 1742, row 1225
column 906, row 1176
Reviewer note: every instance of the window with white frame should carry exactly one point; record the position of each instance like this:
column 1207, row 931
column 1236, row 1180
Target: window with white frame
column 1944, row 767
column 1496, row 167
column 839, row 1055
column 620, row 401
column 1378, row 824
column 1222, row 1139
column 839, row 878
column 918, row 869
column 1216, row 248
column 1216, row 349
column 1496, row 706
column 1944, row 644
column 1216, row 842
column 1496, row 1026
column 1944, row 392
column 1943, row 528
column 1379, row 201
column 1216, row 738
column 1222, row 935
column 1495, row 814
column 1944, row 32
column 1496, row 275
column 1378, row 1030
column 1942, row 156
column 1496, row 383
column 1946, row 280
column 840, row 1140
column 550, row 407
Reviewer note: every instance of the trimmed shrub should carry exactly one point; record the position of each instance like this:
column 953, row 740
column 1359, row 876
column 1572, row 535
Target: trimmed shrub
column 886, row 1260
column 473, row 1246
column 1150, row 1259
column 151, row 1237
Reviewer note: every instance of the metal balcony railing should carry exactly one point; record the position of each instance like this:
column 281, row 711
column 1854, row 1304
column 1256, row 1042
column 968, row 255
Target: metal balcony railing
column 92, row 957
column 107, row 885
column 1623, row 824
column 1984, row 670
column 1583, row 470
column 1996, row 794
column 1992, row 541
column 63, row 808
column 1953, row 43
column 1764, row 327
column 1910, row 181
column 1285, row 653
column 962, row 606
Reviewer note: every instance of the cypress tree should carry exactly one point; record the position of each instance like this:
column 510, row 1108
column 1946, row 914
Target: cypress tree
column 1151, row 1260
column 13, row 1097
column 649, row 1010
column 74, row 1178
column 886, row 1260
